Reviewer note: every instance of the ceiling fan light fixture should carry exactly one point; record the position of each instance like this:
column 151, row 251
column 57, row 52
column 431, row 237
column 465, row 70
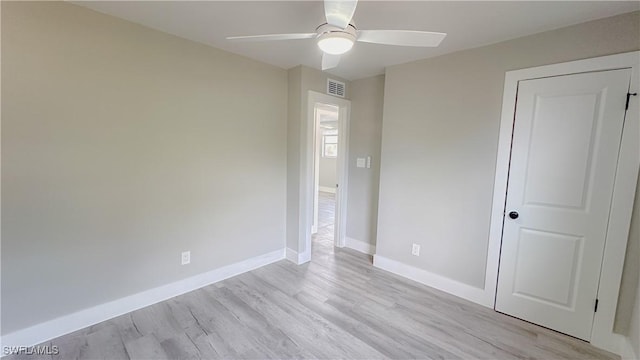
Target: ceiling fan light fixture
column 336, row 43
column 337, row 35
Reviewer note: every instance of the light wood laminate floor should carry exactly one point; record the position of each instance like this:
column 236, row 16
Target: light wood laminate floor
column 335, row 307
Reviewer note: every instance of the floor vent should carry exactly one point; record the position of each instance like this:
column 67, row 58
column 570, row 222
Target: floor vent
column 335, row 88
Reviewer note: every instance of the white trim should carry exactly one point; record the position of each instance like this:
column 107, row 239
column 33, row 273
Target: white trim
column 359, row 245
column 342, row 170
column 619, row 223
column 296, row 257
column 317, row 133
column 627, row 352
column 51, row 329
column 327, row 189
column 291, row 255
column 433, row 280
column 304, row 257
column 623, row 194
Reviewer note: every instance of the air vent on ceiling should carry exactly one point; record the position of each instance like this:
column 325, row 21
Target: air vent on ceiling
column 335, row 87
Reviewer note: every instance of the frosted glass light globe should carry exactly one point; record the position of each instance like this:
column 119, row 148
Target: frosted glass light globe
column 335, row 43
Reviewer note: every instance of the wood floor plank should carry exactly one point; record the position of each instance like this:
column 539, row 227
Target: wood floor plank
column 104, row 343
column 146, row 347
column 69, row 347
column 317, row 343
column 383, row 343
column 272, row 337
column 180, row 347
column 347, row 345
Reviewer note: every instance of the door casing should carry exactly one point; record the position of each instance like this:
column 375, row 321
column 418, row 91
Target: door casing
column 602, row 334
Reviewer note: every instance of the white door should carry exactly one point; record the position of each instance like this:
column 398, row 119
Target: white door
column 565, row 144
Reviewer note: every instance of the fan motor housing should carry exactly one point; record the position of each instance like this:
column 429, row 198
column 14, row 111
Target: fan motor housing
column 327, row 30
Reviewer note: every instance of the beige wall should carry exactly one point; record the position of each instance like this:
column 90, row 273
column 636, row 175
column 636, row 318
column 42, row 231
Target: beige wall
column 123, row 146
column 367, row 97
column 301, row 80
column 439, row 142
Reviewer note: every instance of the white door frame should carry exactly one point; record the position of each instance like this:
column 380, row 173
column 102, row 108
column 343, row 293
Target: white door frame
column 602, row 334
column 308, row 185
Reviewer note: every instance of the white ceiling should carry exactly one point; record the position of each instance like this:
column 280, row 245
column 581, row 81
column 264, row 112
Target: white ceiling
column 468, row 24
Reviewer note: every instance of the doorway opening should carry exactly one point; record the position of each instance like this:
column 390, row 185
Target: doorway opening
column 327, row 178
column 326, row 149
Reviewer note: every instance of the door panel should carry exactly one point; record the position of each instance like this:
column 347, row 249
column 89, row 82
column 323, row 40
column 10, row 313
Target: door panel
column 560, row 151
column 536, row 249
column 564, row 153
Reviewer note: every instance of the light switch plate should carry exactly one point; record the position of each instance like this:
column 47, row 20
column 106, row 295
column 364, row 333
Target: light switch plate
column 361, row 162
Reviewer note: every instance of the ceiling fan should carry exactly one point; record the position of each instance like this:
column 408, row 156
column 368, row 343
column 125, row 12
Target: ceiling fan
column 337, row 35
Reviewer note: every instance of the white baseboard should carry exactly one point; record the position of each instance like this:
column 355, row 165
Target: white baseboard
column 51, row 329
column 359, row 245
column 292, row 255
column 453, row 287
column 609, row 341
column 297, row 258
column 327, row 189
column 628, row 352
column 305, row 257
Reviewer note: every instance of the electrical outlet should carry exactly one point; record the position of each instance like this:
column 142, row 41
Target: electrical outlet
column 415, row 250
column 186, row 257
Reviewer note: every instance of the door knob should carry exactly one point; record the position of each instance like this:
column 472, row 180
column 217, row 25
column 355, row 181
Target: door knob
column 514, row 214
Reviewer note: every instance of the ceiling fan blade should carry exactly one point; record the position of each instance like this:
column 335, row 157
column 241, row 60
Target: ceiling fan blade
column 339, row 12
column 329, row 61
column 401, row 37
column 272, row 37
